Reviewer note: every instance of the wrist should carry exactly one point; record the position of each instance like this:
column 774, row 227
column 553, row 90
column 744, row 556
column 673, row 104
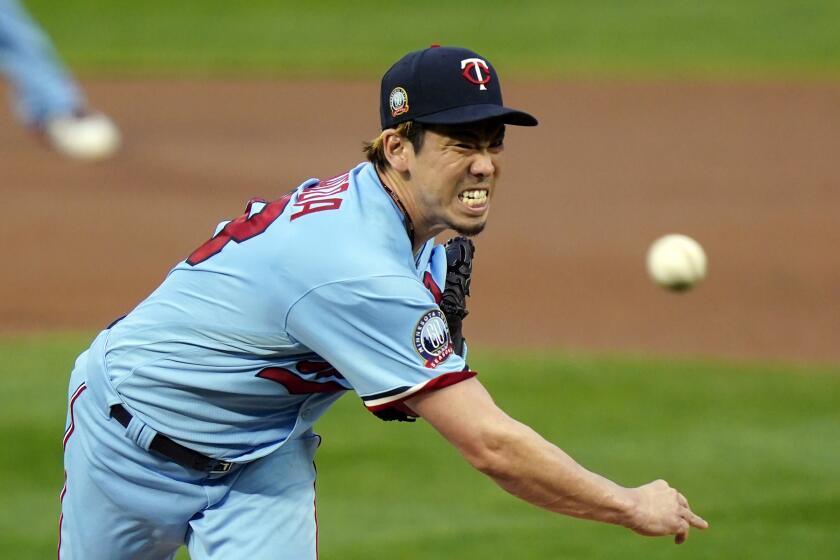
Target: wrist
column 627, row 508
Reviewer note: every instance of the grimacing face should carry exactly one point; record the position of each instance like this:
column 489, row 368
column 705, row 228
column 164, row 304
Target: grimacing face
column 454, row 175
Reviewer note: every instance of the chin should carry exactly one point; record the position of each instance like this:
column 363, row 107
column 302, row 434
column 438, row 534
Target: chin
column 469, row 229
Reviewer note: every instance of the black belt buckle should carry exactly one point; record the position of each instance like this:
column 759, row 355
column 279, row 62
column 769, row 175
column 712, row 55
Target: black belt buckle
column 221, row 467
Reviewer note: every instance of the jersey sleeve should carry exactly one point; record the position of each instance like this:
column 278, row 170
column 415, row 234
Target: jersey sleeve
column 385, row 335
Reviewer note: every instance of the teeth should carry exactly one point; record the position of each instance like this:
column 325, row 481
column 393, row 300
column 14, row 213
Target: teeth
column 474, row 198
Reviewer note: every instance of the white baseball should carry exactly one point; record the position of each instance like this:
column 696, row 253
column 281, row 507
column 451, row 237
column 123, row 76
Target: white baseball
column 676, row 262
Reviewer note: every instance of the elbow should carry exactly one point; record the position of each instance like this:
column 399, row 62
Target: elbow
column 494, row 454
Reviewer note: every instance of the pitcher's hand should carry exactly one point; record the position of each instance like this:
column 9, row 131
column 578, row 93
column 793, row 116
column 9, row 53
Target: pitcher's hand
column 661, row 510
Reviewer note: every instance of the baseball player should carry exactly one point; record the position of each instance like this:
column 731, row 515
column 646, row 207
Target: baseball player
column 190, row 419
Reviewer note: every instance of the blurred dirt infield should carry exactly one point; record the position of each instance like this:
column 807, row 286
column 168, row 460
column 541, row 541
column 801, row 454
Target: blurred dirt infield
column 750, row 171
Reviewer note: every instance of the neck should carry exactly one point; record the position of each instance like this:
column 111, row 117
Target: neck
column 408, row 203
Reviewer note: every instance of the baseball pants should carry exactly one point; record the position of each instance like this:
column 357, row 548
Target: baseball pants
column 122, row 502
column 43, row 86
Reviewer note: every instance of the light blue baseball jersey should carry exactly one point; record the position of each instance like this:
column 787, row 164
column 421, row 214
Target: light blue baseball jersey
column 251, row 338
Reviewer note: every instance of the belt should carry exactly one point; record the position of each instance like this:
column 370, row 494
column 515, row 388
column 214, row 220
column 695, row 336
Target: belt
column 182, row 455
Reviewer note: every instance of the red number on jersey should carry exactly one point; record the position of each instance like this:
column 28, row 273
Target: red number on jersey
column 241, row 229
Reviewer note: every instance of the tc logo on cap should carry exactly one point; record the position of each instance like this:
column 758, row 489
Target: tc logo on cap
column 398, row 101
column 476, row 71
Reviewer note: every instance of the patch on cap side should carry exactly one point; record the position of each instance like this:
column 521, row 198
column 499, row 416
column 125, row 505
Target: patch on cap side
column 431, row 338
column 398, row 101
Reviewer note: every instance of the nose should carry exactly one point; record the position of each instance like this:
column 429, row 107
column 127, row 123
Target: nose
column 483, row 165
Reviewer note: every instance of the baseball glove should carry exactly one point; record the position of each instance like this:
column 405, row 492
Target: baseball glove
column 459, row 257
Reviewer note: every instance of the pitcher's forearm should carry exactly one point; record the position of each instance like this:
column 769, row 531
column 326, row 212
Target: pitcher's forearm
column 531, row 468
column 542, row 474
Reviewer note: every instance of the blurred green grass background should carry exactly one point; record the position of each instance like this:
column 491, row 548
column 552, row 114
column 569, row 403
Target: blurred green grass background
column 744, row 39
column 754, row 447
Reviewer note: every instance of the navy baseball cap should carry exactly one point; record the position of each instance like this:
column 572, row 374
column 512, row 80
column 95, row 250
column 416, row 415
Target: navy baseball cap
column 444, row 85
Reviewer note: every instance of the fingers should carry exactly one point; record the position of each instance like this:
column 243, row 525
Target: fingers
column 689, row 519
column 682, row 532
column 693, row 519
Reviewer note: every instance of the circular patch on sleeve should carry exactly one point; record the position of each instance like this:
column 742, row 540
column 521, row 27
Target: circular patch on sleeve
column 431, row 338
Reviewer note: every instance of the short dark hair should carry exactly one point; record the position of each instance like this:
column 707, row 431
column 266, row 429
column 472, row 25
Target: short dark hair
column 412, row 131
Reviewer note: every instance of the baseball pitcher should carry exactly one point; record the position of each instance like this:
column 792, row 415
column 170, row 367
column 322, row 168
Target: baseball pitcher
column 190, row 420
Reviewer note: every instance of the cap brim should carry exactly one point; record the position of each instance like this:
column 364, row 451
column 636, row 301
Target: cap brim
column 476, row 113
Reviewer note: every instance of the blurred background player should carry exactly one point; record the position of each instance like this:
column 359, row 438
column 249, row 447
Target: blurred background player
column 45, row 95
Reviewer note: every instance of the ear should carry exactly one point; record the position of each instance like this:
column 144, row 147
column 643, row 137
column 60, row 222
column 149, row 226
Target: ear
column 397, row 150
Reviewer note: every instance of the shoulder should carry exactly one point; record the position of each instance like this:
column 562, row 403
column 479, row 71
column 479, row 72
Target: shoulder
column 345, row 227
column 351, row 220
column 354, row 196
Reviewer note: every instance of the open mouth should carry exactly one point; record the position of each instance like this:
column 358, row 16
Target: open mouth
column 474, row 198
